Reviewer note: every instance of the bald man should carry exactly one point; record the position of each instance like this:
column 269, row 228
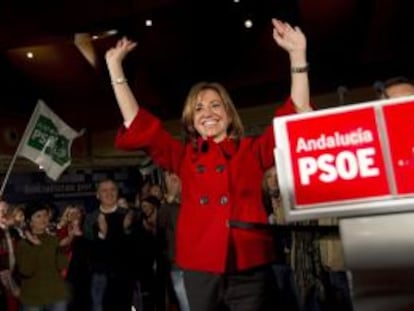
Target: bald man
column 398, row 87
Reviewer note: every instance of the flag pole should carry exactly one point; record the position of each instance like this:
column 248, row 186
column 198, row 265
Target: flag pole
column 6, row 177
column 16, row 153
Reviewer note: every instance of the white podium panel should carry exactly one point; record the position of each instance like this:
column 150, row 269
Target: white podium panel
column 379, row 250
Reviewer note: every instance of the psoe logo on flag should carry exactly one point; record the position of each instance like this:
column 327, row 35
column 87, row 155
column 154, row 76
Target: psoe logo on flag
column 46, row 138
column 47, row 141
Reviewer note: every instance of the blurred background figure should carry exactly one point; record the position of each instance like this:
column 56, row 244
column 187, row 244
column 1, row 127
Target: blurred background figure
column 6, row 257
column 167, row 222
column 151, row 260
column 287, row 298
column 77, row 249
column 40, row 262
column 123, row 203
column 9, row 287
column 107, row 228
column 395, row 87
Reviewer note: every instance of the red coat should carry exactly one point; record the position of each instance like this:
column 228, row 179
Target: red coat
column 220, row 182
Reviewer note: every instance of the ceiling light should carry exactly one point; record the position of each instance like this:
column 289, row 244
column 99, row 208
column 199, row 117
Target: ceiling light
column 95, row 37
column 236, row 1
column 148, row 23
column 29, row 55
column 111, row 32
column 248, row 23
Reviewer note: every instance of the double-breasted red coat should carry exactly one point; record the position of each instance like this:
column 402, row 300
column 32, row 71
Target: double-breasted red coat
column 220, row 182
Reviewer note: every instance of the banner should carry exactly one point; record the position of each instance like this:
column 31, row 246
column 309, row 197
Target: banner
column 47, row 141
column 75, row 186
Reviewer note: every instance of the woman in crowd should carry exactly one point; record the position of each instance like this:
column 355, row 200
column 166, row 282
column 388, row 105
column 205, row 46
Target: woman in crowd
column 40, row 262
column 77, row 249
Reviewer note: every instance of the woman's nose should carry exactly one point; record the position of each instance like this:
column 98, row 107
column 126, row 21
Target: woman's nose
column 207, row 111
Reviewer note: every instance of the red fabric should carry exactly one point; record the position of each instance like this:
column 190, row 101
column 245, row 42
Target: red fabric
column 12, row 303
column 62, row 233
column 202, row 231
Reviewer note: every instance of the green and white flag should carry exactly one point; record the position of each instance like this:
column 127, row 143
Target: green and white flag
column 47, row 141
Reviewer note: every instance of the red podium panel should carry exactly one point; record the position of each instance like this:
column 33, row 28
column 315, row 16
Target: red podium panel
column 351, row 160
column 399, row 123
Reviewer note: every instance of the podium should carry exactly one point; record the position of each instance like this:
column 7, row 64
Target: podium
column 356, row 163
column 379, row 251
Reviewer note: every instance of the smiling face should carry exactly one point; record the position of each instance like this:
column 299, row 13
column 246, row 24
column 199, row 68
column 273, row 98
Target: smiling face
column 74, row 214
column 3, row 213
column 210, row 117
column 107, row 194
column 271, row 185
column 271, row 179
column 209, row 112
column 18, row 216
column 147, row 208
column 39, row 221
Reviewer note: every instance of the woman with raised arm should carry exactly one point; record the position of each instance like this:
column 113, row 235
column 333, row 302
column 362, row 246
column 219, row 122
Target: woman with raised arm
column 221, row 173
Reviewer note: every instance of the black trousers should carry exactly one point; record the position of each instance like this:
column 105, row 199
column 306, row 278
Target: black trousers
column 249, row 290
column 118, row 294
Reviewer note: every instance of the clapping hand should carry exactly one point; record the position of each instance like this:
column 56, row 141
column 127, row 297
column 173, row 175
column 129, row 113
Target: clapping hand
column 32, row 238
column 102, row 225
column 74, row 228
column 128, row 220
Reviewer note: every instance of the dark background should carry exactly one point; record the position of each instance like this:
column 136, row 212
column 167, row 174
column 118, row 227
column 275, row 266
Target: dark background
column 350, row 42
